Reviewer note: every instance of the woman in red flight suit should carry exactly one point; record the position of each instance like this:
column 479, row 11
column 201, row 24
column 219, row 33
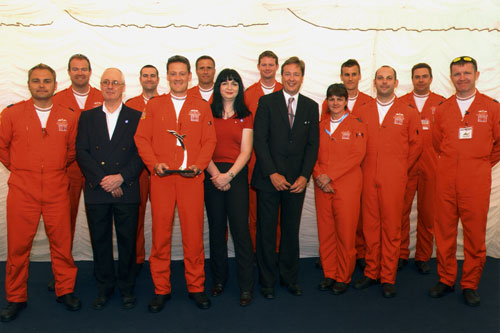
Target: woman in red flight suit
column 338, row 179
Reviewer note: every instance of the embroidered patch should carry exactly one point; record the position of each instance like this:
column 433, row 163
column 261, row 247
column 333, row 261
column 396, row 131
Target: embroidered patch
column 426, row 124
column 62, row 125
column 346, row 135
column 194, row 115
column 399, row 118
column 482, row 116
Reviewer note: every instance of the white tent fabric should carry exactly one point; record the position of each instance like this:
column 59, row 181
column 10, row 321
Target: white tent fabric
column 130, row 34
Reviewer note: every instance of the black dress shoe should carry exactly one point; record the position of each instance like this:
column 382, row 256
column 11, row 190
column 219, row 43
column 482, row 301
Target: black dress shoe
column 402, row 263
column 365, row 282
column 99, row 302
column 423, row 267
column 388, row 290
column 471, row 297
column 11, row 311
column 339, row 288
column 217, row 289
column 326, row 284
column 294, row 289
column 70, row 301
column 440, row 290
column 157, row 303
column 51, row 286
column 128, row 302
column 361, row 264
column 268, row 293
column 246, row 298
column 201, row 300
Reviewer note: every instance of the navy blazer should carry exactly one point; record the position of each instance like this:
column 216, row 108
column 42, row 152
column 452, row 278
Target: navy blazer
column 98, row 156
column 291, row 152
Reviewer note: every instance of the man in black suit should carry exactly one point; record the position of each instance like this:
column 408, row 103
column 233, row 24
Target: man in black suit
column 286, row 141
column 108, row 158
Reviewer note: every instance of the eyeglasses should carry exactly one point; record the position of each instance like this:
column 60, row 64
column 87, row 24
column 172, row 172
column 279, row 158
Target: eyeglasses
column 113, row 83
column 467, row 59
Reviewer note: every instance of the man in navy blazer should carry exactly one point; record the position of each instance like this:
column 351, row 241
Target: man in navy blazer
column 108, row 158
column 286, row 141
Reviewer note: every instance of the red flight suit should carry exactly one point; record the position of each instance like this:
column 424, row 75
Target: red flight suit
column 464, row 184
column 252, row 96
column 195, row 91
column 360, row 101
column 67, row 100
column 156, row 145
column 421, row 178
column 339, row 156
column 137, row 103
column 392, row 149
column 38, row 184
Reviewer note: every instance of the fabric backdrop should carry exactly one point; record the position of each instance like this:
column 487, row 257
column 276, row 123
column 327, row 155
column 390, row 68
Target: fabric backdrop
column 130, row 34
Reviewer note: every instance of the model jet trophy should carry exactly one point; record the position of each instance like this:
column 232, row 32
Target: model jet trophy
column 180, row 142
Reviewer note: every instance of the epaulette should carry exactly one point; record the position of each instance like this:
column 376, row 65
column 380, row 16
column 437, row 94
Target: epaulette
column 442, row 102
column 494, row 100
column 411, row 106
column 152, row 97
column 8, row 106
column 359, row 119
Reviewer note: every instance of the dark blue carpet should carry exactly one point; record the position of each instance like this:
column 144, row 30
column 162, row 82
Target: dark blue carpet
column 356, row 311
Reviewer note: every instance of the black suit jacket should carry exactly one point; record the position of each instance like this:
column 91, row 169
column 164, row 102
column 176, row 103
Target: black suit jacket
column 291, row 152
column 98, row 156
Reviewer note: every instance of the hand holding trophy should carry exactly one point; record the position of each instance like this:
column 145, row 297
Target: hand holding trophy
column 162, row 169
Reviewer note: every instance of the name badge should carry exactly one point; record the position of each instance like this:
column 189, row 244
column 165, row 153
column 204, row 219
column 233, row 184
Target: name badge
column 346, row 135
column 62, row 125
column 482, row 116
column 194, row 115
column 426, row 124
column 465, row 133
column 399, row 118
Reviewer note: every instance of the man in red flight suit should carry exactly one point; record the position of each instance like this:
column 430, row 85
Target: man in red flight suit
column 422, row 177
column 350, row 75
column 394, row 145
column 149, row 80
column 171, row 123
column 466, row 136
column 78, row 97
column 37, row 142
column 205, row 71
column 267, row 66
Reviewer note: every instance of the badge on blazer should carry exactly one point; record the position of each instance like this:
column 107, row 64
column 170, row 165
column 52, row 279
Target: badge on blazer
column 194, row 115
column 399, row 119
column 62, row 125
column 346, row 135
column 426, row 124
column 482, row 116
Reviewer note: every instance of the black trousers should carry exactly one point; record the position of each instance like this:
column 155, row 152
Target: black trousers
column 100, row 219
column 230, row 205
column 268, row 205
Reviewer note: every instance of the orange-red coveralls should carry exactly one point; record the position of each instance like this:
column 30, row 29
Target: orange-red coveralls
column 156, row 145
column 360, row 101
column 38, row 184
column 464, row 184
column 196, row 92
column 340, row 155
column 67, row 100
column 421, row 178
column 392, row 149
column 252, row 96
column 137, row 103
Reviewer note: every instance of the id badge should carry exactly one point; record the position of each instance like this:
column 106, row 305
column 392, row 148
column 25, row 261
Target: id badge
column 465, row 133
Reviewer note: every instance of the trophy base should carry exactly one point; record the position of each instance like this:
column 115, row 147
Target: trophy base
column 171, row 172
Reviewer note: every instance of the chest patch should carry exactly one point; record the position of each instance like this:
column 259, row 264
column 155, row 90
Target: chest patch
column 482, row 116
column 194, row 115
column 399, row 119
column 62, row 125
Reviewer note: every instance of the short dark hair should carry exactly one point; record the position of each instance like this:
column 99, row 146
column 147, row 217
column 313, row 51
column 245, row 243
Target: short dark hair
column 268, row 54
column 350, row 63
column 42, row 66
column 296, row 61
column 179, row 58
column 462, row 61
column 337, row 89
column 204, row 57
column 148, row 66
column 387, row 66
column 421, row 65
column 239, row 106
column 80, row 57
